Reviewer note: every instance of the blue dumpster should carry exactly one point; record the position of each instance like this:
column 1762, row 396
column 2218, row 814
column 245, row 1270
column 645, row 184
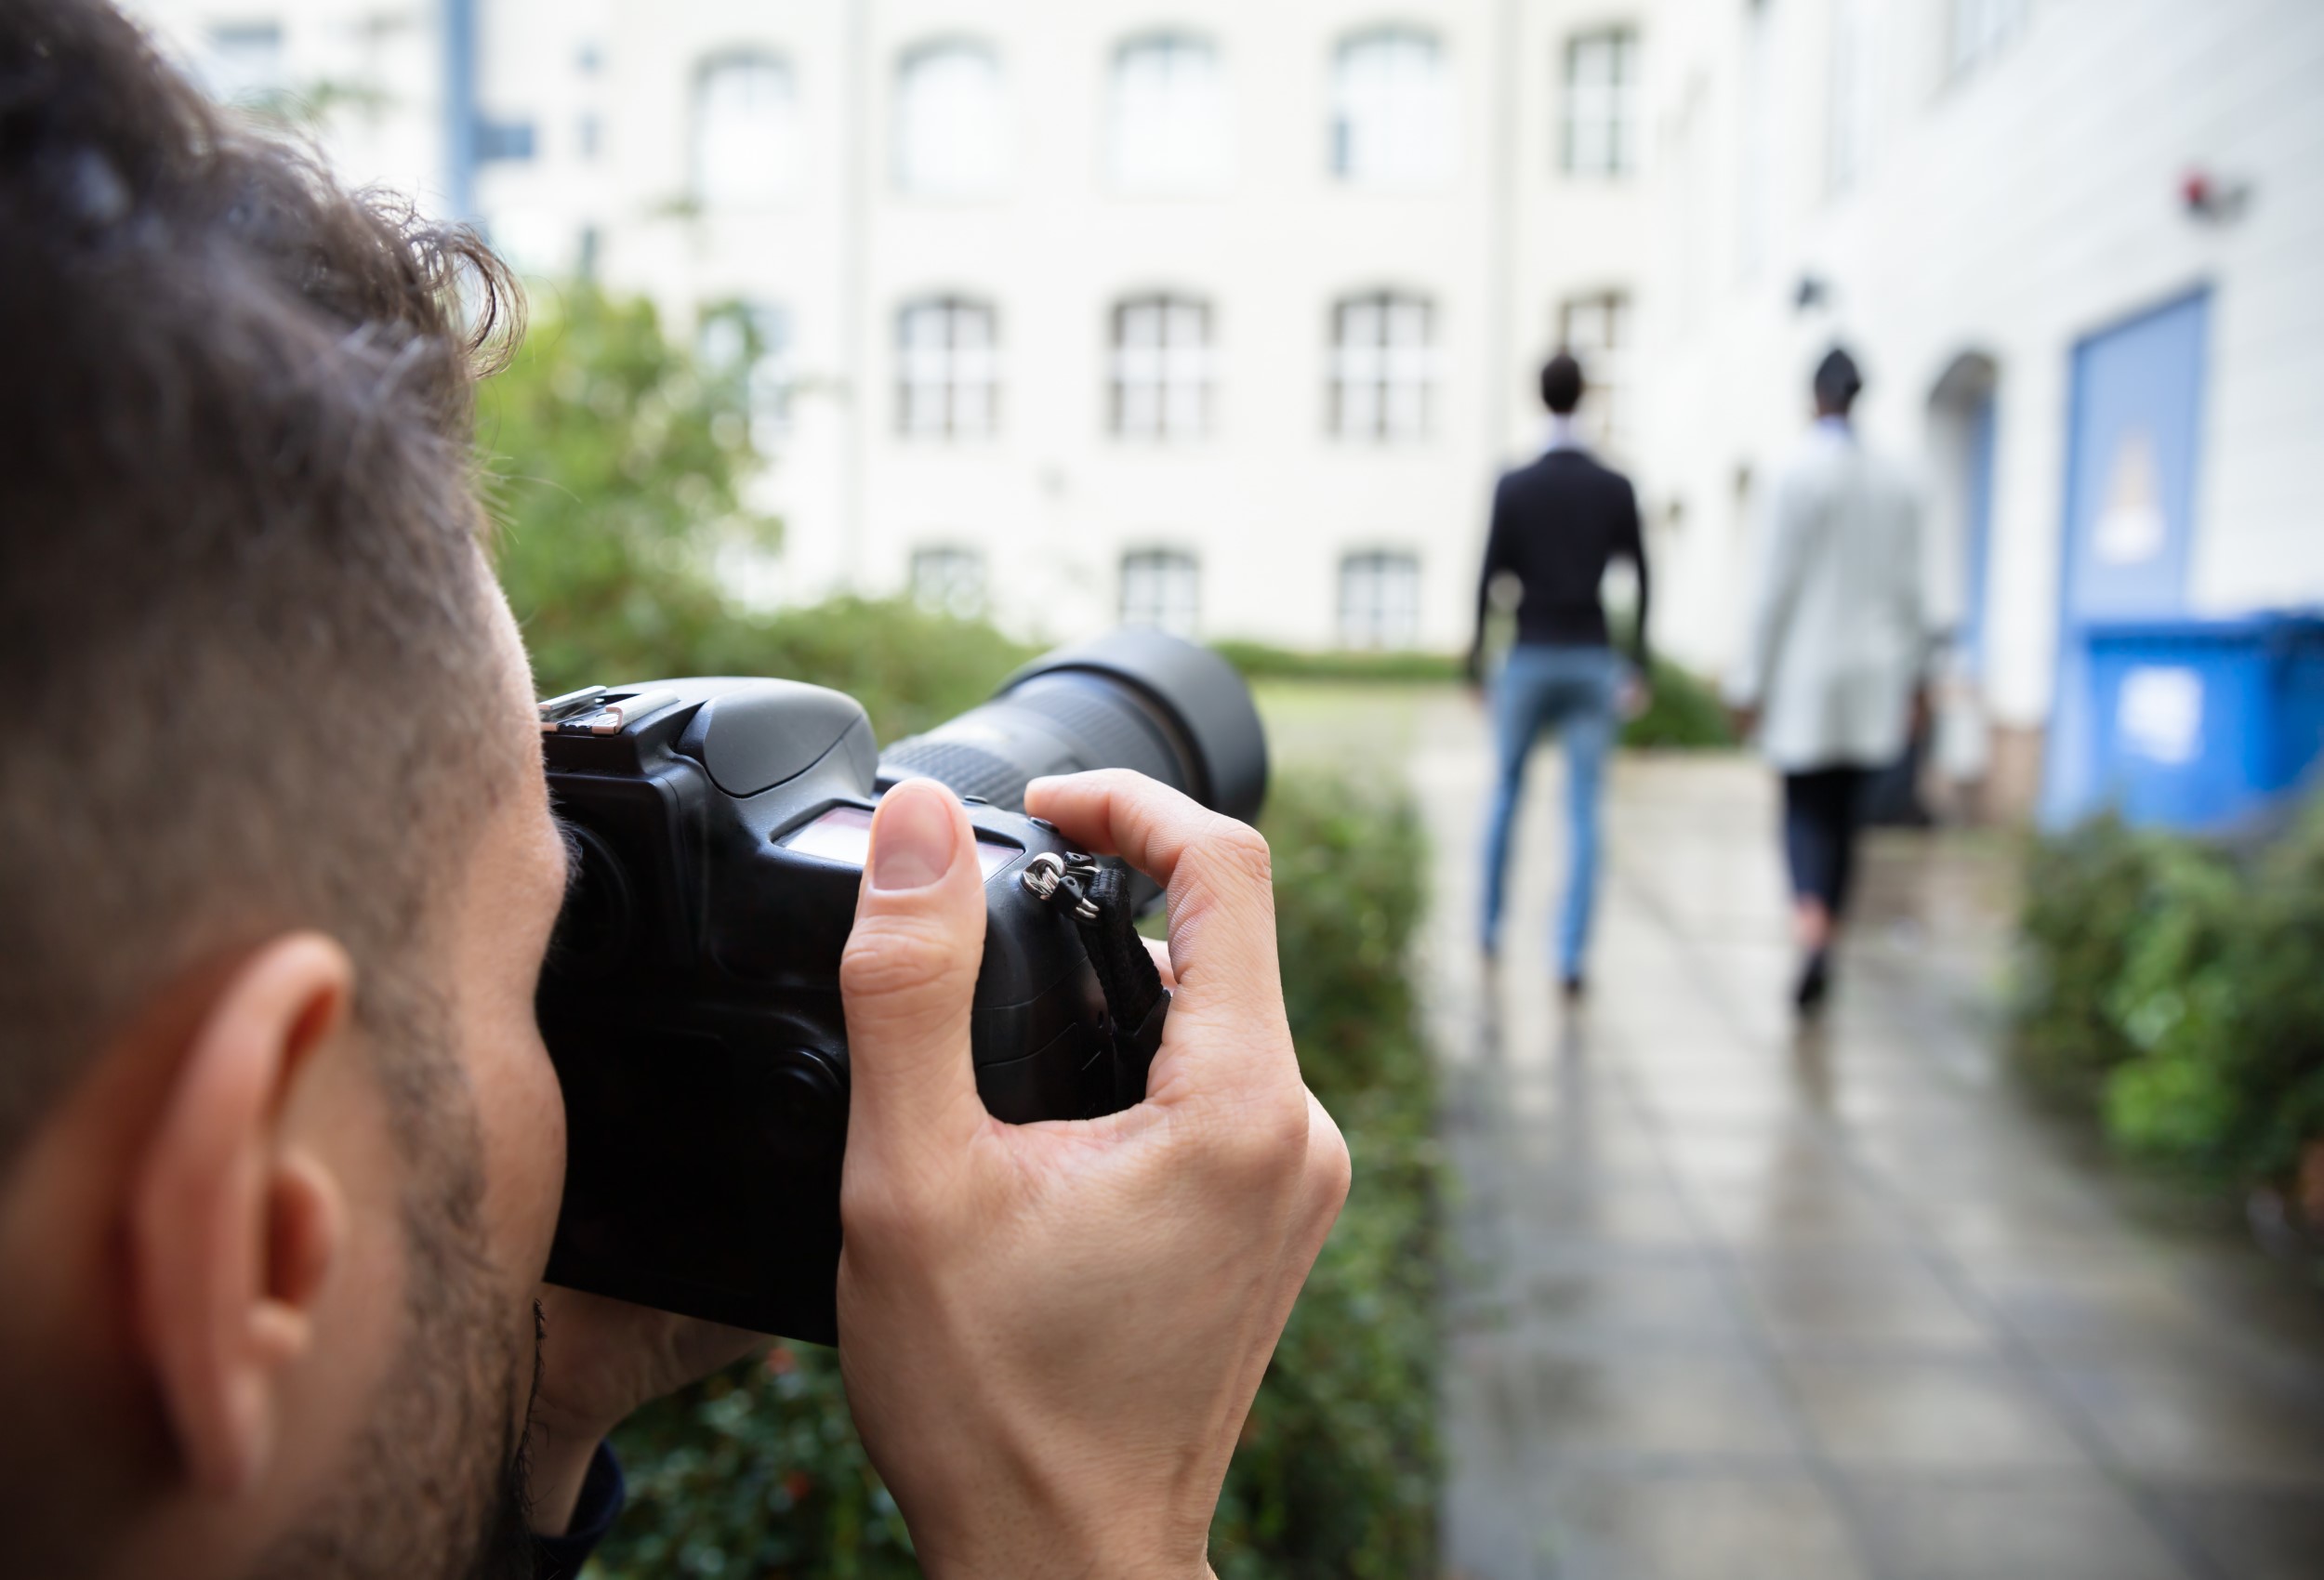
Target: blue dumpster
column 2196, row 724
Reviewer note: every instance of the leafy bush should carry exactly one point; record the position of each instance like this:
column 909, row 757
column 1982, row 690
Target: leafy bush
column 1685, row 712
column 617, row 466
column 758, row 1472
column 1684, row 715
column 2177, row 990
column 1259, row 661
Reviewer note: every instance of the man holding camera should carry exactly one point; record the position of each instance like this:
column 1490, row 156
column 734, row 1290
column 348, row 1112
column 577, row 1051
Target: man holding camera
column 279, row 1145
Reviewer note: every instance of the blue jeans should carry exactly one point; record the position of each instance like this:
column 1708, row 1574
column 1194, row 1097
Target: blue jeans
column 1573, row 691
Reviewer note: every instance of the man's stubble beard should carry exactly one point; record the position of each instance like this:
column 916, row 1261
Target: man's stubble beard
column 435, row 1487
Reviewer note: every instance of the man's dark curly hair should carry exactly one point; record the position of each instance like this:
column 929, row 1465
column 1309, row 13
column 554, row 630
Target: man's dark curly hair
column 244, row 604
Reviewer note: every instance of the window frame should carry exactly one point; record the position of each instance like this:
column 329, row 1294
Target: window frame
column 1207, row 172
column 955, row 308
column 1391, row 630
column 1388, row 157
column 953, row 555
column 783, row 164
column 935, row 180
column 1604, row 360
column 1162, row 560
column 1418, row 378
column 1173, row 368
column 1616, row 102
column 764, row 359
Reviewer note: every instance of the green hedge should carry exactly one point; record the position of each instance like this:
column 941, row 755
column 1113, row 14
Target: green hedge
column 2174, row 990
column 758, row 1473
column 1684, row 715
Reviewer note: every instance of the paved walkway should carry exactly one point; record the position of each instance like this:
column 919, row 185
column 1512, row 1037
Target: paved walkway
column 1730, row 1303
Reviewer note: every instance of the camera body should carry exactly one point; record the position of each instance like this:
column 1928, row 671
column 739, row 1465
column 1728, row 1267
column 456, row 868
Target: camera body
column 690, row 998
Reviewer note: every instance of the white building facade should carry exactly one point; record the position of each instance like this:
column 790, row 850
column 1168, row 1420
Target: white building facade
column 1225, row 317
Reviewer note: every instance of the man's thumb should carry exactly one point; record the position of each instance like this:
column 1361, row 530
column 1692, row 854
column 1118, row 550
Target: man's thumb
column 909, row 971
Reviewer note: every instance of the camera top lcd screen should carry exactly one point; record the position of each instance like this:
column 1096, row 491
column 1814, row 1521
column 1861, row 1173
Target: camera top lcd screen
column 843, row 834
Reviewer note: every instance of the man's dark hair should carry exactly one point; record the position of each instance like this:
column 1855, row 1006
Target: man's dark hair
column 1562, row 383
column 242, row 598
column 249, row 619
column 1837, row 383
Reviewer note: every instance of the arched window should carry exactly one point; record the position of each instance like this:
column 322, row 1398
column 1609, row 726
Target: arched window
column 948, row 369
column 745, row 126
column 1601, row 121
column 949, row 579
column 1168, row 129
column 1597, row 328
column 752, row 341
column 1161, row 382
column 1392, row 110
column 1384, row 366
column 1162, row 587
column 950, row 137
column 1380, row 599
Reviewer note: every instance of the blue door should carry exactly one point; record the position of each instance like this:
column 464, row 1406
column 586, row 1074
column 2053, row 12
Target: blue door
column 2133, row 443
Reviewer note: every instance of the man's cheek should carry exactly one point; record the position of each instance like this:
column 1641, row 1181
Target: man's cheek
column 525, row 1155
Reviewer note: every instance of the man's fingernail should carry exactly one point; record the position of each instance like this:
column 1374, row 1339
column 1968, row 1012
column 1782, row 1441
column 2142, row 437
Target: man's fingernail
column 912, row 838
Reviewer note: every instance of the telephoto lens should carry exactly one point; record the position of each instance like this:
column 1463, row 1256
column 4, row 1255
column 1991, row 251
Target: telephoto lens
column 1134, row 699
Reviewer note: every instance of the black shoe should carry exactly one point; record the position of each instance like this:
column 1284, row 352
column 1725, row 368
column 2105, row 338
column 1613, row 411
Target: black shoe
column 1572, row 988
column 1815, row 983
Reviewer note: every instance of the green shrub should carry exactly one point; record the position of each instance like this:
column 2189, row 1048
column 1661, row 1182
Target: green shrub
column 1260, row 660
column 1684, row 715
column 758, row 1472
column 2176, row 988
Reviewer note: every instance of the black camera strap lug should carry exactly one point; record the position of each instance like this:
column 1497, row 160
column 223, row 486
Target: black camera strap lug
column 1097, row 895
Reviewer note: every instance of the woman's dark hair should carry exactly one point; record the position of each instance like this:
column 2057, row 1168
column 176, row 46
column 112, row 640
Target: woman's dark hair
column 1837, row 382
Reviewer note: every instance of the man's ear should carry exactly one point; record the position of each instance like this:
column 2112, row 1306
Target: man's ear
column 230, row 1236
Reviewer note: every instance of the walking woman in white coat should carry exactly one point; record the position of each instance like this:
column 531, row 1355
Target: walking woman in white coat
column 1831, row 673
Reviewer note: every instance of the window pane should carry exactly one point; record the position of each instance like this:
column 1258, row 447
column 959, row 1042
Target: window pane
column 1391, row 111
column 1161, row 588
column 1161, row 368
column 949, row 580
column 1168, row 121
column 745, row 132
column 950, row 136
column 243, row 63
column 948, row 369
column 1384, row 367
column 1600, row 131
column 1378, row 600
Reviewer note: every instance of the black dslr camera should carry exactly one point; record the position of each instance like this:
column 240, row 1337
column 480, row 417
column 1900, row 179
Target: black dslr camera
column 691, row 1000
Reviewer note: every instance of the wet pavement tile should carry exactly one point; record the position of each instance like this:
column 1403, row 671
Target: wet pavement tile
column 1731, row 1298
column 2204, row 1419
column 2250, row 1536
column 1937, row 1415
column 1873, row 1302
column 2025, row 1527
column 1776, row 1524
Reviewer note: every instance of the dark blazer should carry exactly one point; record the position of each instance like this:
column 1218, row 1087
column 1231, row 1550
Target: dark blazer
column 1556, row 525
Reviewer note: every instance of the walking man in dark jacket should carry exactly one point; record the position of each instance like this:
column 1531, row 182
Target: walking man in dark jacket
column 1557, row 522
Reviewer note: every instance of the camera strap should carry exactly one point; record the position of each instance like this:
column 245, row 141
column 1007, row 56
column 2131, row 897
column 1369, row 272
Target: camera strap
column 1136, row 1001
column 1097, row 895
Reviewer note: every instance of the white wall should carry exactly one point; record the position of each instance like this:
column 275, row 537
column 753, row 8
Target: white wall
column 2011, row 212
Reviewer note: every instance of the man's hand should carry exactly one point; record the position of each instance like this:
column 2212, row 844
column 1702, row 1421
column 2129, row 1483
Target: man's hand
column 1051, row 1333
column 1743, row 720
column 600, row 1360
